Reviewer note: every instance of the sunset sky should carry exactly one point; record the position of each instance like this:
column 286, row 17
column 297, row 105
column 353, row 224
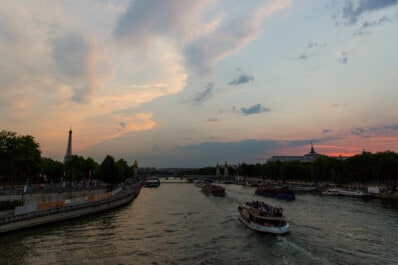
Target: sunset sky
column 174, row 83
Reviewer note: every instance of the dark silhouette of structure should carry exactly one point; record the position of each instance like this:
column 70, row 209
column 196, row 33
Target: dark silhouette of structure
column 305, row 158
column 311, row 156
column 68, row 154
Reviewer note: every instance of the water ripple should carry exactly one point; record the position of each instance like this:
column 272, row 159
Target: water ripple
column 177, row 224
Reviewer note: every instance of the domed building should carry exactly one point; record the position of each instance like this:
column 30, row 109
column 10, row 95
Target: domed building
column 305, row 158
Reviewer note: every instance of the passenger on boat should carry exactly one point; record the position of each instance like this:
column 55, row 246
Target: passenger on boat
column 264, row 209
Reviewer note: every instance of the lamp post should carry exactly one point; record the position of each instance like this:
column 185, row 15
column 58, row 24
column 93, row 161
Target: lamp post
column 25, row 189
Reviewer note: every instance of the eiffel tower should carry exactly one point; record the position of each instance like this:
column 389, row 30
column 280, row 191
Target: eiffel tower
column 68, row 154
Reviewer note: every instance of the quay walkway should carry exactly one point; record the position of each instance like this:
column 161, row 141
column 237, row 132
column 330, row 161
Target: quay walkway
column 54, row 214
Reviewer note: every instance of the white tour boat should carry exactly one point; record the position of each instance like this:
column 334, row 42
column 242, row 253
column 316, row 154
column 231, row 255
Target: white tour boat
column 262, row 217
column 331, row 192
column 343, row 192
column 353, row 193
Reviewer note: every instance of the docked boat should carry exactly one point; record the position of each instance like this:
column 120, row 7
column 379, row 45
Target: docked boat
column 331, row 192
column 262, row 217
column 201, row 183
column 353, row 193
column 302, row 188
column 275, row 192
column 152, row 182
column 343, row 192
column 214, row 190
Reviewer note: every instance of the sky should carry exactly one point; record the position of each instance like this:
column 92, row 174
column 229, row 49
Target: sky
column 173, row 83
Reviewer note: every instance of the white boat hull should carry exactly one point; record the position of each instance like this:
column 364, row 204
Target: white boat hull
column 266, row 229
column 352, row 193
column 341, row 192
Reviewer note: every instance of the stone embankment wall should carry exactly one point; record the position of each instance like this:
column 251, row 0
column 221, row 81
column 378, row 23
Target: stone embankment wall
column 48, row 197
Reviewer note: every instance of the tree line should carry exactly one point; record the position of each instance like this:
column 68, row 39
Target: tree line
column 21, row 163
column 380, row 167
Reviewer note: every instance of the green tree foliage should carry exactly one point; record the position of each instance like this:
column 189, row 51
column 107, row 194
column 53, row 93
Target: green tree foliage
column 381, row 167
column 328, row 169
column 123, row 170
column 248, row 169
column 20, row 157
column 78, row 168
column 387, row 167
column 52, row 169
column 108, row 172
column 92, row 168
column 75, row 168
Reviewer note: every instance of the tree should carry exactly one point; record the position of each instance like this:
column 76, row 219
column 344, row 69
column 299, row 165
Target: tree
column 92, row 168
column 271, row 169
column 75, row 168
column 387, row 163
column 108, row 172
column 20, row 157
column 52, row 169
column 123, row 170
column 6, row 148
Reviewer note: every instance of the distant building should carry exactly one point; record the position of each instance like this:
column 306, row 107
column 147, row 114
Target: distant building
column 305, row 158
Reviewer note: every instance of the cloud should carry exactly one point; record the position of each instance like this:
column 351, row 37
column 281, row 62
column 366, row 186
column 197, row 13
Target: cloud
column 366, row 25
column 312, row 44
column 343, row 57
column 258, row 108
column 336, row 105
column 392, row 127
column 144, row 20
column 248, row 150
column 382, row 20
column 97, row 129
column 63, row 65
column 358, row 131
column 365, row 132
column 374, row 131
column 244, row 145
column 75, row 57
column 209, row 153
column 241, row 79
column 303, row 56
column 205, row 95
column 228, row 36
column 326, row 131
column 351, row 11
column 310, row 50
column 204, row 34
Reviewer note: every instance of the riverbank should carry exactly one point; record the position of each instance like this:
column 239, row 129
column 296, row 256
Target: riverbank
column 369, row 190
column 40, row 213
column 50, row 195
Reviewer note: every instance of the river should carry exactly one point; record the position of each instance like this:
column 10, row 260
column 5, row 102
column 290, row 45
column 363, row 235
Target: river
column 177, row 224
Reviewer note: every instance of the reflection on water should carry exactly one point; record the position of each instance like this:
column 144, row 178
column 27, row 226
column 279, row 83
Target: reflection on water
column 177, row 224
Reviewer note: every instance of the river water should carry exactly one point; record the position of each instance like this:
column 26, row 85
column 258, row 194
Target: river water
column 177, row 224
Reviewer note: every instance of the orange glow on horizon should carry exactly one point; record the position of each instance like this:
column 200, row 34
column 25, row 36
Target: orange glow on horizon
column 337, row 154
